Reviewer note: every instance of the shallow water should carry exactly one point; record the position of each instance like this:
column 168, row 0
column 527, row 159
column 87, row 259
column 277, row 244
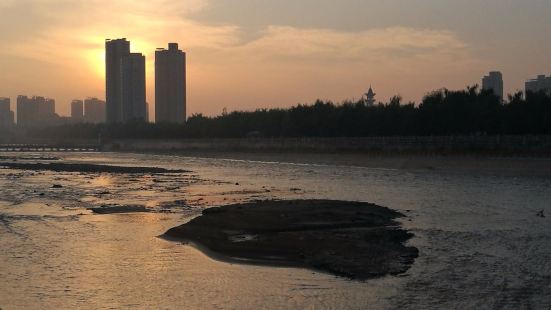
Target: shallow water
column 481, row 243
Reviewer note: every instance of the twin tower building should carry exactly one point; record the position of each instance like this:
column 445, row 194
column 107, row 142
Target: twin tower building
column 125, row 84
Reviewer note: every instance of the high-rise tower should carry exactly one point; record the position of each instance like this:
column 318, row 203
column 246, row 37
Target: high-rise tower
column 77, row 111
column 133, row 87
column 94, row 111
column 494, row 82
column 541, row 83
column 6, row 114
column 35, row 112
column 115, row 50
column 170, row 84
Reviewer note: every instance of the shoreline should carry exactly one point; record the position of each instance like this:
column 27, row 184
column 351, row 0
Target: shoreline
column 504, row 145
column 467, row 164
column 452, row 145
column 535, row 166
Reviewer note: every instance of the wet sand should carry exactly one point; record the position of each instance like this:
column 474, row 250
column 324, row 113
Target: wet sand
column 350, row 239
column 88, row 168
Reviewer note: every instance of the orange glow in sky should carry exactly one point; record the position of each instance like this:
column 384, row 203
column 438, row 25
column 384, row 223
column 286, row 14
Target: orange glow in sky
column 245, row 54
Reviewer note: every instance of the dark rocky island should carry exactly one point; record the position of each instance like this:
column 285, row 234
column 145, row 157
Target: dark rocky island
column 351, row 239
column 89, row 168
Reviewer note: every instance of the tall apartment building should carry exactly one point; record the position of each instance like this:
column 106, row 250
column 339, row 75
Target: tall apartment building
column 170, row 84
column 133, row 87
column 6, row 114
column 115, row 50
column 541, row 83
column 36, row 112
column 94, row 111
column 77, row 111
column 494, row 82
column 26, row 111
column 124, row 82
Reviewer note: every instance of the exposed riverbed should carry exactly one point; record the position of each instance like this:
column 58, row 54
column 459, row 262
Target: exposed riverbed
column 480, row 241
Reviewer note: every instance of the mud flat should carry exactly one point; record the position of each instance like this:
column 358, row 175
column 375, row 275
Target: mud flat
column 44, row 158
column 350, row 239
column 90, row 168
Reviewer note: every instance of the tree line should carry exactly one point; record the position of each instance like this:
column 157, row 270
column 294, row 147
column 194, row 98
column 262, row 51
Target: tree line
column 471, row 111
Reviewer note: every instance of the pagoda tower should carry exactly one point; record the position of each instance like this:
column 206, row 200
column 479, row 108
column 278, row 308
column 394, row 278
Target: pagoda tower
column 370, row 97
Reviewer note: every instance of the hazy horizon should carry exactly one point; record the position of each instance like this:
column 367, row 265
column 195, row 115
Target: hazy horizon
column 244, row 55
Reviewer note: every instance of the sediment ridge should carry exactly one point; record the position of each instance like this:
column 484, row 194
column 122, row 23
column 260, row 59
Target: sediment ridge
column 351, row 239
column 90, row 168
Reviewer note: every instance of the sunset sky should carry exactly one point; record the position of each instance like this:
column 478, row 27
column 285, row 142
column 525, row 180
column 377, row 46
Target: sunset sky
column 247, row 54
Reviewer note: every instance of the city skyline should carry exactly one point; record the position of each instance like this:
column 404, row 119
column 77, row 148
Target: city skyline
column 241, row 61
column 131, row 111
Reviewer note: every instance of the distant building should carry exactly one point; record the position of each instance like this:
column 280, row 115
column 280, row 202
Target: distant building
column 115, row 50
column 94, row 111
column 494, row 82
column 133, row 87
column 46, row 106
column 541, row 83
column 6, row 114
column 77, row 111
column 170, row 84
column 36, row 112
column 370, row 97
column 27, row 111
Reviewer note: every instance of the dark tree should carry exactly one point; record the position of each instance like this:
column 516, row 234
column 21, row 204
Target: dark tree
column 443, row 112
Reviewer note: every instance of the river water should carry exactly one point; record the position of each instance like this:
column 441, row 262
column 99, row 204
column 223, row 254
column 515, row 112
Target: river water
column 481, row 244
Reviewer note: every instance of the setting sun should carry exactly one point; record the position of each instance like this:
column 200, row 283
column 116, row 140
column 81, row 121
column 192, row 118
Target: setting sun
column 96, row 62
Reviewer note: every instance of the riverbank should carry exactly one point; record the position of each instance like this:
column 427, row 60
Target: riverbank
column 463, row 164
column 351, row 239
column 423, row 145
column 468, row 145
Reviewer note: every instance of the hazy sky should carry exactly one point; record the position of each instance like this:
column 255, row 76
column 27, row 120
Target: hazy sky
column 247, row 54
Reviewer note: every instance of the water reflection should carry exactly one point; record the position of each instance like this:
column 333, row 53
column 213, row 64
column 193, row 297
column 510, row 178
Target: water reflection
column 102, row 181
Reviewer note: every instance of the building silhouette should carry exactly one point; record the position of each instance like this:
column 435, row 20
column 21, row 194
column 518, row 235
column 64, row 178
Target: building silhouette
column 94, row 111
column 36, row 112
column 370, row 97
column 133, row 87
column 27, row 111
column 6, row 114
column 541, row 83
column 115, row 50
column 170, row 84
column 494, row 81
column 77, row 111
